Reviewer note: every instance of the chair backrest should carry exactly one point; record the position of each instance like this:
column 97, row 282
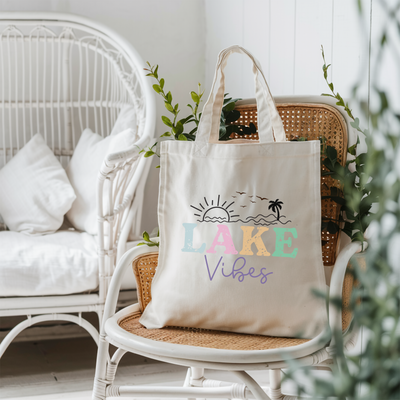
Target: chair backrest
column 311, row 121
column 60, row 74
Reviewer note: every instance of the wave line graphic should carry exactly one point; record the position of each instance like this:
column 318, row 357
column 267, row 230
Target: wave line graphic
column 258, row 220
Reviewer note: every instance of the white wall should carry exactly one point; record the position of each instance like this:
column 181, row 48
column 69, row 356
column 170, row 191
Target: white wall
column 286, row 37
column 164, row 32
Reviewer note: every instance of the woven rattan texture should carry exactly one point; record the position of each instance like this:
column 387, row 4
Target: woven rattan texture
column 311, row 121
column 348, row 285
column 206, row 338
column 144, row 268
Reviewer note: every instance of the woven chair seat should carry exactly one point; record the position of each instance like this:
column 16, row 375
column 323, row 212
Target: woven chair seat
column 206, row 338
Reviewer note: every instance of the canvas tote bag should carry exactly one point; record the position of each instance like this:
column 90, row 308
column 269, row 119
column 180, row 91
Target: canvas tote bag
column 240, row 245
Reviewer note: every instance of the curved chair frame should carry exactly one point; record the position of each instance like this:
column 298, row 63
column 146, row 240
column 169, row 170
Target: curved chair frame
column 311, row 353
column 62, row 73
column 197, row 358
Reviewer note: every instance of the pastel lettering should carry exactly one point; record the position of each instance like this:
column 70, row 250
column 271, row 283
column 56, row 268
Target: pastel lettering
column 281, row 241
column 237, row 271
column 226, row 241
column 248, row 240
column 208, row 268
column 188, row 246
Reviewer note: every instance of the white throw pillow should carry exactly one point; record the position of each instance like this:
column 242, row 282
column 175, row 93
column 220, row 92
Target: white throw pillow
column 126, row 120
column 83, row 171
column 35, row 191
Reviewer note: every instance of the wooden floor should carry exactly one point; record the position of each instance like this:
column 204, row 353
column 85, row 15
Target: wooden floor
column 62, row 366
column 64, row 369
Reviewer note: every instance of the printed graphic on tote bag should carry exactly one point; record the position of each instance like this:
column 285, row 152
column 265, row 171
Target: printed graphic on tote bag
column 222, row 214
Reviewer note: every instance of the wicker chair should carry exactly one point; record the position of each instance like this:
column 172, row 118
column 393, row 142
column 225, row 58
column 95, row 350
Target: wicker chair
column 60, row 74
column 200, row 348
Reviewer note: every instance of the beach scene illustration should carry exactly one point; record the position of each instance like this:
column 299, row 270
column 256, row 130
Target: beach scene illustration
column 219, row 210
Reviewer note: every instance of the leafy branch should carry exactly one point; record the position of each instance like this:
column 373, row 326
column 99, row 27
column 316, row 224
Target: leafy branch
column 148, row 241
column 176, row 126
column 357, row 198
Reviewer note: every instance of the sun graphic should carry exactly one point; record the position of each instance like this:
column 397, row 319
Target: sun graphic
column 211, row 212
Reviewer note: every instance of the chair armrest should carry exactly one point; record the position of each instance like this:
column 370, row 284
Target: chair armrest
column 123, row 171
column 116, row 281
column 336, row 287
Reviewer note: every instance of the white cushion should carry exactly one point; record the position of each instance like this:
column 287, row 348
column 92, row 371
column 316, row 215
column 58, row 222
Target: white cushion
column 126, row 120
column 62, row 263
column 35, row 191
column 83, row 171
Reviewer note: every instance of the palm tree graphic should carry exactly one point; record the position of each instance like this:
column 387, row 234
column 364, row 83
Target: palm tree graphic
column 275, row 206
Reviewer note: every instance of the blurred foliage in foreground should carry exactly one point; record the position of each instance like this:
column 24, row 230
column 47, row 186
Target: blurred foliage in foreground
column 374, row 373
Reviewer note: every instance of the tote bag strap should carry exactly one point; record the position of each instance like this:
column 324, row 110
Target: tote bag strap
column 268, row 117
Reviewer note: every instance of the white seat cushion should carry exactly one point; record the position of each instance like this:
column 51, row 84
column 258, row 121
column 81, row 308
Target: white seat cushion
column 64, row 262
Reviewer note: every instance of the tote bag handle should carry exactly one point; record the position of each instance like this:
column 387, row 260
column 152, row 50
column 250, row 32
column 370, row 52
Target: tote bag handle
column 268, row 117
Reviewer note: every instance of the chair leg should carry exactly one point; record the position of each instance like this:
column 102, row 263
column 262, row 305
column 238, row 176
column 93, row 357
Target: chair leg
column 275, row 377
column 100, row 316
column 194, row 373
column 100, row 379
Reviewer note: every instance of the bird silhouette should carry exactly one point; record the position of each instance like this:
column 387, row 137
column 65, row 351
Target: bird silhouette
column 243, row 206
column 262, row 198
column 234, row 197
column 252, row 201
column 241, row 192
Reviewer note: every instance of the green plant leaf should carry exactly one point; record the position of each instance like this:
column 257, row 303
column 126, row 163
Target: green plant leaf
column 162, row 81
column 232, row 116
column 167, row 121
column 187, row 120
column 146, row 236
column 229, row 107
column 169, row 97
column 178, row 129
column 169, row 107
column 352, row 151
column 190, row 136
column 166, row 134
column 149, row 153
column 157, row 88
column 182, row 137
column 331, row 153
column 233, row 129
column 195, row 97
column 222, row 132
column 355, row 124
